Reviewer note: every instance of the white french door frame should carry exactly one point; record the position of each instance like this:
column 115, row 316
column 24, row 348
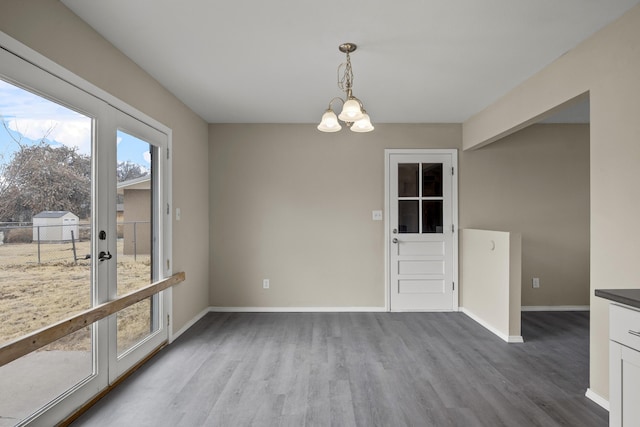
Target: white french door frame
column 28, row 68
column 387, row 211
column 118, row 365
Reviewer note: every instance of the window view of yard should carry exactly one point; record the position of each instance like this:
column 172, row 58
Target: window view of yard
column 34, row 295
column 46, row 214
column 46, row 249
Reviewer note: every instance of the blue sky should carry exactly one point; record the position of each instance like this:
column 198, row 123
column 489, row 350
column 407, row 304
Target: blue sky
column 29, row 117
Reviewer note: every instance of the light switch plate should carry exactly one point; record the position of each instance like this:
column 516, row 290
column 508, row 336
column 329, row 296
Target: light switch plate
column 376, row 215
column 178, row 214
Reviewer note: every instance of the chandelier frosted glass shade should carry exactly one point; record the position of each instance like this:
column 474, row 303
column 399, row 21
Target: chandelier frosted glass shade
column 351, row 111
column 329, row 122
column 362, row 125
column 353, row 114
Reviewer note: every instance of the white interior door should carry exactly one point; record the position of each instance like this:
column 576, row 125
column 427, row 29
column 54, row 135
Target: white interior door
column 421, row 230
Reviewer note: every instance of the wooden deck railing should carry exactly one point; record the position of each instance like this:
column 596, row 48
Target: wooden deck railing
column 38, row 339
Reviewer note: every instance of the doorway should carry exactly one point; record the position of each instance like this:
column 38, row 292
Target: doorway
column 421, row 230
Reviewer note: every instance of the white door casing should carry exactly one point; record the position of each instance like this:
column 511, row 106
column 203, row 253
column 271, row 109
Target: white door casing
column 421, row 230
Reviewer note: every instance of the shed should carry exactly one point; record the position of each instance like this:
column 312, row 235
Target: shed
column 55, row 226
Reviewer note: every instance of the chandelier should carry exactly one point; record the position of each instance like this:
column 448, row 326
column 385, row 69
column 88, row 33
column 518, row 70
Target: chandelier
column 353, row 113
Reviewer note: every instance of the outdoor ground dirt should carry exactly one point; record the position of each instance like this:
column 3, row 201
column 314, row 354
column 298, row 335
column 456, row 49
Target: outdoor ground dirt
column 34, row 295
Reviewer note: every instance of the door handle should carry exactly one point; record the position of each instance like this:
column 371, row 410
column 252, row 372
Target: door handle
column 395, row 231
column 395, row 240
column 103, row 256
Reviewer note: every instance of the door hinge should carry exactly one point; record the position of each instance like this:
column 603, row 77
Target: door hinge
column 452, row 171
column 454, row 285
column 168, row 321
column 453, row 228
column 167, row 153
column 168, row 211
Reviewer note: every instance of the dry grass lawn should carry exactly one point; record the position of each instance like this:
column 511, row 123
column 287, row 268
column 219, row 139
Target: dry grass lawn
column 35, row 295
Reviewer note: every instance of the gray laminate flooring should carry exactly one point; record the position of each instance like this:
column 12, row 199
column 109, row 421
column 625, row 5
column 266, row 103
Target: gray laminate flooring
column 360, row 369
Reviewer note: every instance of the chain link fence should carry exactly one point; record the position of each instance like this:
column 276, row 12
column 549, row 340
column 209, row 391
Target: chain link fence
column 26, row 243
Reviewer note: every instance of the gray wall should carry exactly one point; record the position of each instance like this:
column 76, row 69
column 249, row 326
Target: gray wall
column 536, row 182
column 293, row 204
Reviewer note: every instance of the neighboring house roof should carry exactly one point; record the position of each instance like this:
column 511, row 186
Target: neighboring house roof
column 52, row 214
column 141, row 183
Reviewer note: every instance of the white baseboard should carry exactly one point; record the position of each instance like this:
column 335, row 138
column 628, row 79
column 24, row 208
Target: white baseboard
column 296, row 309
column 189, row 324
column 507, row 338
column 555, row 308
column 590, row 394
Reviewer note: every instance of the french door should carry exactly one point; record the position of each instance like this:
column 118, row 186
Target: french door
column 421, row 230
column 138, row 180
column 111, row 171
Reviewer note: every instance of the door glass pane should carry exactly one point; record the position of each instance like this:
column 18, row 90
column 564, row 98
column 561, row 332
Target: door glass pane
column 135, row 243
column 134, row 324
column 432, row 216
column 432, row 179
column 133, row 212
column 408, row 179
column 408, row 221
column 45, row 243
column 34, row 380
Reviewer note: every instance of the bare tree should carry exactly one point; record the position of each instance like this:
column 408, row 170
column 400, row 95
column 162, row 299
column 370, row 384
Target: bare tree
column 11, row 171
column 128, row 170
column 41, row 177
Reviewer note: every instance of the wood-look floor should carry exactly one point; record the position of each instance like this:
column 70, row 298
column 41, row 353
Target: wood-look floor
column 360, row 369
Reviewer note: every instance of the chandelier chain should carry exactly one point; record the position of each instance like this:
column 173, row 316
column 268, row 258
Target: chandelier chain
column 345, row 82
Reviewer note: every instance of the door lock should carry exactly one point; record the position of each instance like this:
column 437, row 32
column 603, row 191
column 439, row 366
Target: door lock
column 103, row 256
column 395, row 231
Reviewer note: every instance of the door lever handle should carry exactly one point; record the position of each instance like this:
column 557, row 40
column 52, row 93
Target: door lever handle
column 103, row 256
column 395, row 240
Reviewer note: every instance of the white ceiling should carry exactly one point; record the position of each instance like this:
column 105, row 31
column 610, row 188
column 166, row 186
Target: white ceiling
column 418, row 61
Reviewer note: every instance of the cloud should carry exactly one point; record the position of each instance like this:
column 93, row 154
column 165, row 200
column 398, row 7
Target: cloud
column 72, row 133
column 146, row 156
column 32, row 117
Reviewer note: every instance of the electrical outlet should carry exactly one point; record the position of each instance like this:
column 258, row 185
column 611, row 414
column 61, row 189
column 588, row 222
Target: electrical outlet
column 536, row 282
column 265, row 284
